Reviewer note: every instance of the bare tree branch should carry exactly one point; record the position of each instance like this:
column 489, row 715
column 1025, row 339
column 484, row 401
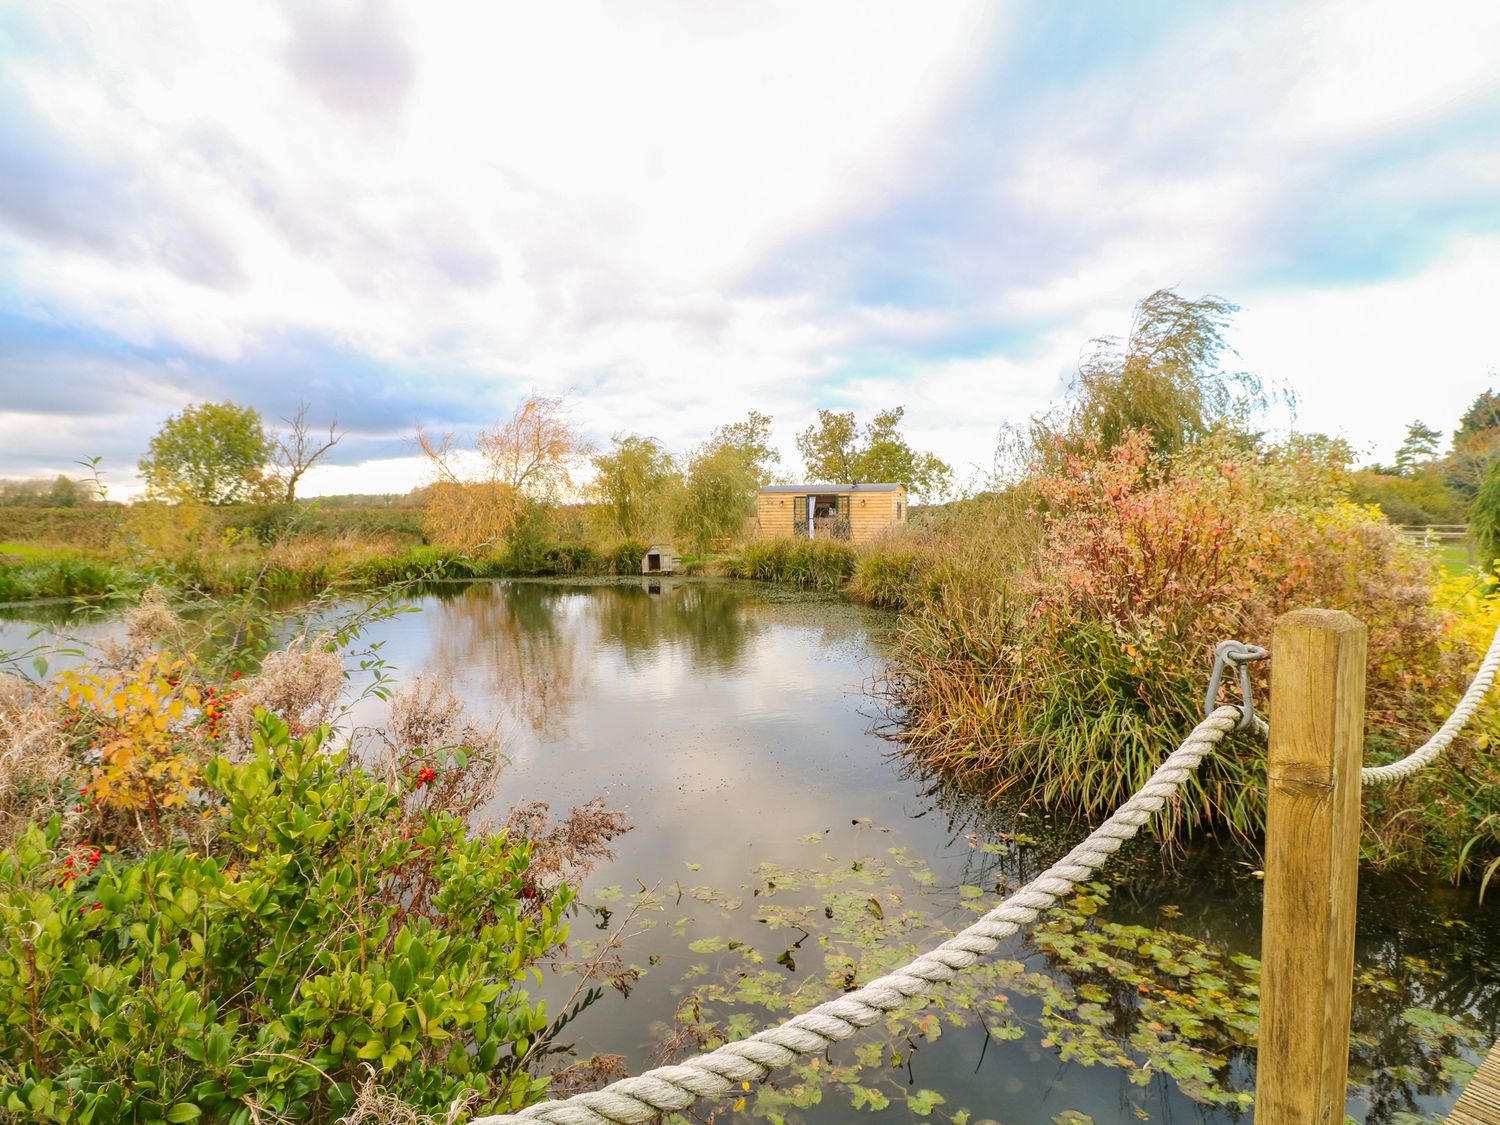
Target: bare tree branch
column 298, row 448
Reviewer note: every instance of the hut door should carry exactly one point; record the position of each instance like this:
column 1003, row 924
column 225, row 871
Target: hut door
column 653, row 561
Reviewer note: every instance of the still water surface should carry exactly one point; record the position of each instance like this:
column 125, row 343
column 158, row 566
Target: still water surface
column 734, row 725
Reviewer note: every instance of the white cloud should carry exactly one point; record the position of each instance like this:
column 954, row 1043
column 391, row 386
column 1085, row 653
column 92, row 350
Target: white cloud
column 1365, row 360
column 528, row 171
column 492, row 199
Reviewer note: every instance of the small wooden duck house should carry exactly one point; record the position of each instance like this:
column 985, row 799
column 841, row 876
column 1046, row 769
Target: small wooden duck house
column 660, row 560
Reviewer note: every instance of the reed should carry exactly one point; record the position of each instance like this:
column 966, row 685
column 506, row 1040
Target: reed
column 818, row 564
column 1053, row 645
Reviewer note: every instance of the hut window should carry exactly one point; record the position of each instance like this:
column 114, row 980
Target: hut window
column 898, row 509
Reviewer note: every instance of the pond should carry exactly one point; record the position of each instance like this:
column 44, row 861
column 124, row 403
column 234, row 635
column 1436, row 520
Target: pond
column 781, row 848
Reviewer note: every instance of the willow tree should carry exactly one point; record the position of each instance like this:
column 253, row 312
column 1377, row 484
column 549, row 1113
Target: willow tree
column 480, row 491
column 1165, row 378
column 718, row 495
column 635, row 480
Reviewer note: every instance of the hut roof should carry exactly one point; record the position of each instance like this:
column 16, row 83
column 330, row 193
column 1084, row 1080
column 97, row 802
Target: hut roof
column 857, row 487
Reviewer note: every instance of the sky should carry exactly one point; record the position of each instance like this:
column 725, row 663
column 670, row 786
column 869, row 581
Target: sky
column 674, row 213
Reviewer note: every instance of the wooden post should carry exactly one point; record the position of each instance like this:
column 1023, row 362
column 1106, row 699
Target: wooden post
column 1312, row 867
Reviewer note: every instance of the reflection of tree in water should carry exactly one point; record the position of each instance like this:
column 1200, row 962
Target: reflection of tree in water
column 1445, row 955
column 56, row 613
column 1419, row 947
column 841, row 627
column 537, row 641
column 536, row 664
column 713, row 622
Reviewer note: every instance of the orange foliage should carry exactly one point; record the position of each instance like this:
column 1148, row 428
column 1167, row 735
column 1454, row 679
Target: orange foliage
column 140, row 724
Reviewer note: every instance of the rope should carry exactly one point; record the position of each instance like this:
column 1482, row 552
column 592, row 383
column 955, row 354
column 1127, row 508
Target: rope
column 1396, row 771
column 670, row 1089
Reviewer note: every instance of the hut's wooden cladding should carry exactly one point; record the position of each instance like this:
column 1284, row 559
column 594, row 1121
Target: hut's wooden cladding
column 853, row 513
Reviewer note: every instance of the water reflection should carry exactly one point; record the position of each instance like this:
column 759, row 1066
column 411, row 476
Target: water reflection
column 542, row 646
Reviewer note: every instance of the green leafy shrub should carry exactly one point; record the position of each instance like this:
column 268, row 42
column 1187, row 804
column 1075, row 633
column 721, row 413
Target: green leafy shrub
column 333, row 929
column 572, row 558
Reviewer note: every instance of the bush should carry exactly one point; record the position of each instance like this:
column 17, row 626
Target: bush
column 571, row 559
column 70, row 527
column 1065, row 670
column 331, row 930
column 268, row 523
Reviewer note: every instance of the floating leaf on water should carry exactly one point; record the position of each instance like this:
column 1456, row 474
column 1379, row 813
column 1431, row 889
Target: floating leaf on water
column 923, row 1101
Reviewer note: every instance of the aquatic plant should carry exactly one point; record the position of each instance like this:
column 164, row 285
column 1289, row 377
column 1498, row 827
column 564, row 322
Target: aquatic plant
column 819, row 564
column 1146, row 1000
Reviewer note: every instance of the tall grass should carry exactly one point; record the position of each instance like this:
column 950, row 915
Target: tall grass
column 1052, row 645
column 818, row 564
column 66, row 577
column 297, row 562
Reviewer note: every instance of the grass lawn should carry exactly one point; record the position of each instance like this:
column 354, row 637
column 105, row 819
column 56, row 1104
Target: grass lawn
column 29, row 552
column 1457, row 558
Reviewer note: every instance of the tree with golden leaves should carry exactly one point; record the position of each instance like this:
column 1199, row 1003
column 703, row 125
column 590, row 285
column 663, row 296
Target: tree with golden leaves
column 479, row 493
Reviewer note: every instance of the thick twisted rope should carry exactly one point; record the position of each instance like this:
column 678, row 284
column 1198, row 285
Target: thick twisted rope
column 1429, row 750
column 669, row 1089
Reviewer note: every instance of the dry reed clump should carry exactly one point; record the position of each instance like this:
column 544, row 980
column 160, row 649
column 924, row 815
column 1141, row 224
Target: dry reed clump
column 373, row 1106
column 427, row 724
column 328, row 554
column 151, row 626
column 429, row 740
column 34, row 758
column 301, row 684
column 427, row 715
column 568, row 849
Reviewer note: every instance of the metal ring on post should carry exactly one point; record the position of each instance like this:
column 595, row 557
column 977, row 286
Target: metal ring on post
column 1241, row 656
